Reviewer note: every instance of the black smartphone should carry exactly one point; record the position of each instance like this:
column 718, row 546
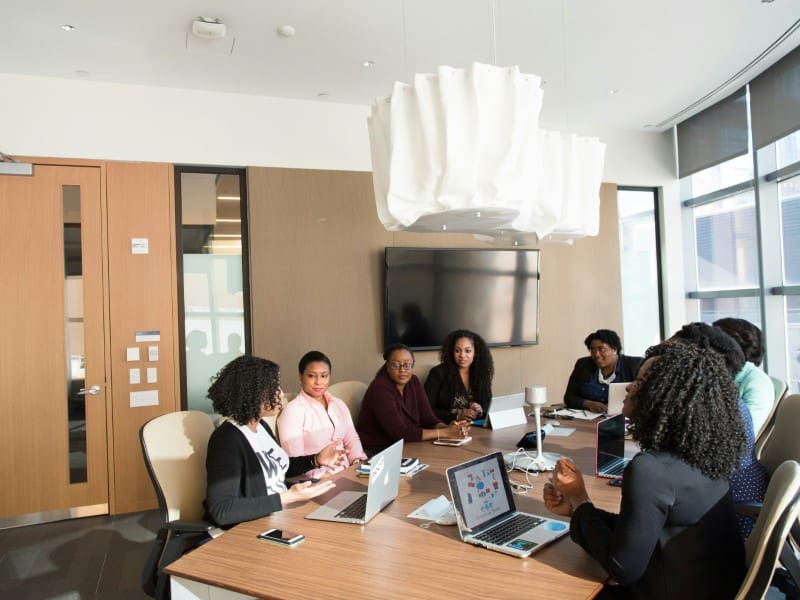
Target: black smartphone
column 616, row 482
column 281, row 536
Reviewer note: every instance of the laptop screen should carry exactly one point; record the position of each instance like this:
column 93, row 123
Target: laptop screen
column 480, row 490
column 610, row 441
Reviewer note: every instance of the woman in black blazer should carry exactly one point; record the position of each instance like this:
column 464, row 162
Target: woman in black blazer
column 587, row 388
column 460, row 387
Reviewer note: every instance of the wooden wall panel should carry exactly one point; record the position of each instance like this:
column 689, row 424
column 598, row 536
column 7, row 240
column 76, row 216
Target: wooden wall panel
column 142, row 290
column 317, row 281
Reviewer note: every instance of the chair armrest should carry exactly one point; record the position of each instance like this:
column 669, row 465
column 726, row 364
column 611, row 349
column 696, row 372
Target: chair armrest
column 748, row 509
column 184, row 526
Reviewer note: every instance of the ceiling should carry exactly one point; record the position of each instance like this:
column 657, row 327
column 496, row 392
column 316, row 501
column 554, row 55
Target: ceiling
column 663, row 59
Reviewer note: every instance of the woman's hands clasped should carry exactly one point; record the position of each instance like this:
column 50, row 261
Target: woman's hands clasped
column 456, row 429
column 567, row 491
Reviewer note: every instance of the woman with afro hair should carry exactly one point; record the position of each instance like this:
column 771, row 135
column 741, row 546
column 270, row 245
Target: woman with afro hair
column 676, row 534
column 460, row 387
column 245, row 465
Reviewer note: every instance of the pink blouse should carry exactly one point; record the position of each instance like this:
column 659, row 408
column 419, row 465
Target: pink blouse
column 305, row 427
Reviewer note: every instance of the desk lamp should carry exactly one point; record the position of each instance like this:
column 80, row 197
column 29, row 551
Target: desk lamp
column 536, row 397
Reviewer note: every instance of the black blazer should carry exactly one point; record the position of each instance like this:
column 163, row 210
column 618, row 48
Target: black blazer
column 585, row 369
column 235, row 488
column 440, row 391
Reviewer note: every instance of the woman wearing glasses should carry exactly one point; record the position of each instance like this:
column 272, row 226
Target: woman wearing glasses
column 395, row 406
column 587, row 388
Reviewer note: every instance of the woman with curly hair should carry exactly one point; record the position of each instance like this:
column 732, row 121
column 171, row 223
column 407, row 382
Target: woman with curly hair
column 676, row 534
column 587, row 388
column 245, row 465
column 460, row 387
column 755, row 386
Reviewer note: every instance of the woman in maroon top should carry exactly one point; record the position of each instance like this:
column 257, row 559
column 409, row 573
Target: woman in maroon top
column 395, row 406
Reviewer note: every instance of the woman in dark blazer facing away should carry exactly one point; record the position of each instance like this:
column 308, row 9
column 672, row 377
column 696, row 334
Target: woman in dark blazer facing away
column 460, row 387
column 587, row 388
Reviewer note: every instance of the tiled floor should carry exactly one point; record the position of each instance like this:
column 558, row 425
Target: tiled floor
column 94, row 557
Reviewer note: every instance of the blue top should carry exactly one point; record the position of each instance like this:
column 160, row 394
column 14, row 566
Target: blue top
column 758, row 393
column 749, row 481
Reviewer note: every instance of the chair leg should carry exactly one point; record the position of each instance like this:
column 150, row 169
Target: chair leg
column 150, row 572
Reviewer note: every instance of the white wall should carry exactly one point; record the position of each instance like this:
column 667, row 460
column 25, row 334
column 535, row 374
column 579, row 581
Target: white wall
column 82, row 119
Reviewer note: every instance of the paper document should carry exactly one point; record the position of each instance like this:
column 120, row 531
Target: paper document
column 438, row 508
column 575, row 413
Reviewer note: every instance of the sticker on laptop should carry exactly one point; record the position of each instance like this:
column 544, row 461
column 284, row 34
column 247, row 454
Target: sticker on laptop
column 376, row 470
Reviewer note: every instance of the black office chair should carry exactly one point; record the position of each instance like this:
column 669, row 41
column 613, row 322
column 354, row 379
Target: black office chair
column 174, row 447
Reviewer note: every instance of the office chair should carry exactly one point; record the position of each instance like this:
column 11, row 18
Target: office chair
column 174, row 446
column 351, row 393
column 769, row 536
column 762, row 435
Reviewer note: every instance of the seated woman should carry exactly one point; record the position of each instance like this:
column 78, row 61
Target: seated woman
column 314, row 418
column 245, row 466
column 675, row 535
column 755, row 386
column 460, row 387
column 749, row 480
column 587, row 387
column 395, row 406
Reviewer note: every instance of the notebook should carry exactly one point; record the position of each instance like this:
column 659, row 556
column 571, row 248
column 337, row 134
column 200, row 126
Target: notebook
column 616, row 394
column 382, row 486
column 486, row 514
column 610, row 458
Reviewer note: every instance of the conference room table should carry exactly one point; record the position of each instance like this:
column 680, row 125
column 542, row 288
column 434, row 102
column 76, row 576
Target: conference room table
column 395, row 556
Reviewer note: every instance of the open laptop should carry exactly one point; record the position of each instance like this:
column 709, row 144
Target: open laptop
column 486, row 514
column 610, row 458
column 360, row 507
column 616, row 394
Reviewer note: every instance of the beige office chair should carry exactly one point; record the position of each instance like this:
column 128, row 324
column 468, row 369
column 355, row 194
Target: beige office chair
column 770, row 534
column 352, row 393
column 766, row 428
column 174, row 447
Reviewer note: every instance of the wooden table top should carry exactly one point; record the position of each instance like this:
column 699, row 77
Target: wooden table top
column 392, row 556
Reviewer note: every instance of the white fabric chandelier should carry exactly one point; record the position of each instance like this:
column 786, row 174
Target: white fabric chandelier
column 461, row 151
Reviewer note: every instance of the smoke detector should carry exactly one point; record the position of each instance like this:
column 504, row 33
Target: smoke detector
column 208, row 28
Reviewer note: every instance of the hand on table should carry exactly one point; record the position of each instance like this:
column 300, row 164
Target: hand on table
column 594, row 406
column 456, row 429
column 305, row 491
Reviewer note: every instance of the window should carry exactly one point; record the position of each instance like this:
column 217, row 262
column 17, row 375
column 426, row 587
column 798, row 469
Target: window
column 639, row 269
column 212, row 238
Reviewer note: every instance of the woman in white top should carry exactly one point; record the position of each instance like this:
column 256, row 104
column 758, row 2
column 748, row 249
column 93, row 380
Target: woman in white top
column 245, row 466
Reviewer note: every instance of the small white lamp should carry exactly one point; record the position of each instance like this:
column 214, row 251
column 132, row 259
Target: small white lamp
column 536, row 397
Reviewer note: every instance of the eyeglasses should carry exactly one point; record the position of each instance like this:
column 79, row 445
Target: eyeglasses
column 398, row 366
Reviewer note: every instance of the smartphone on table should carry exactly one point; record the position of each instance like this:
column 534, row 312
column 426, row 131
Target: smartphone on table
column 282, row 537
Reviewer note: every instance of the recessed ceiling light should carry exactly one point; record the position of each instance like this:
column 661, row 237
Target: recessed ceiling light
column 67, row 27
column 367, row 63
column 322, row 94
column 612, row 92
column 286, row 31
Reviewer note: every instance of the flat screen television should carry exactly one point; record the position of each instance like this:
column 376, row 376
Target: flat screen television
column 432, row 291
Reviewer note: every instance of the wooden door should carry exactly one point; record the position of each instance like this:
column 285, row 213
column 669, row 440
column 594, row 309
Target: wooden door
column 53, row 444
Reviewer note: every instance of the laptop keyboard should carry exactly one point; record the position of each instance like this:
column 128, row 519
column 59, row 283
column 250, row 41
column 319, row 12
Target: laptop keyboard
column 615, row 468
column 354, row 510
column 509, row 529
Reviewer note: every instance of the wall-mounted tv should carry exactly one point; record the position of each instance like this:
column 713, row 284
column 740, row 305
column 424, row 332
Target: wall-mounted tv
column 432, row 291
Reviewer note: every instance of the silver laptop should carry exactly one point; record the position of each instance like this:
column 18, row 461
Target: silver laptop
column 360, row 507
column 486, row 514
column 616, row 394
column 506, row 409
column 610, row 458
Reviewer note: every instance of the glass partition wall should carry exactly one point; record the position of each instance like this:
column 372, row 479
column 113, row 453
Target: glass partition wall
column 213, row 275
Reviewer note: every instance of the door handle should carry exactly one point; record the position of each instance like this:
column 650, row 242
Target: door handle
column 92, row 391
